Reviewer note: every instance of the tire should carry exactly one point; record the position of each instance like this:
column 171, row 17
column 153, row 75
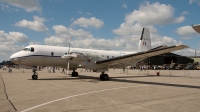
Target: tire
column 101, row 77
column 104, row 77
column 74, row 74
column 34, row 77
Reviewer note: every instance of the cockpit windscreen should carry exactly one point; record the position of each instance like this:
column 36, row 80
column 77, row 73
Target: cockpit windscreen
column 31, row 49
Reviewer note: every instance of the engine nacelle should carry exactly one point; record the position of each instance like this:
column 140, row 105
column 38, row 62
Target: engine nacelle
column 75, row 56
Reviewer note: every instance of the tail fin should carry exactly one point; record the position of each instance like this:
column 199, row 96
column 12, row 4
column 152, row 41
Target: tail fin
column 145, row 41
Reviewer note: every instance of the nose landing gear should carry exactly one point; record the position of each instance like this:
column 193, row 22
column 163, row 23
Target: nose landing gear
column 35, row 75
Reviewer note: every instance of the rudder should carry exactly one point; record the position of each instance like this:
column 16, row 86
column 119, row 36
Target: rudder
column 145, row 41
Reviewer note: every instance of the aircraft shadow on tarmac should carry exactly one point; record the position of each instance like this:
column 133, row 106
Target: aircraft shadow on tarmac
column 120, row 79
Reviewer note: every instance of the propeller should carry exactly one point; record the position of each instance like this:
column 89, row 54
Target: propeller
column 68, row 58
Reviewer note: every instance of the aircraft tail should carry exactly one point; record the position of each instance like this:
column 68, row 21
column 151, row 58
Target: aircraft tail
column 145, row 41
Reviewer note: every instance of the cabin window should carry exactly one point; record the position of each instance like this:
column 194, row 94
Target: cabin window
column 32, row 49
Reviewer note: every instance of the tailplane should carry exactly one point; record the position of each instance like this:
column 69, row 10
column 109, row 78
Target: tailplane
column 145, row 41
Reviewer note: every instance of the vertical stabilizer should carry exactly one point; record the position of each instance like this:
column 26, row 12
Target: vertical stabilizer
column 145, row 41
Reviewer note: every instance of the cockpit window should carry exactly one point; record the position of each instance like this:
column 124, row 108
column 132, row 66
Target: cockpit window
column 32, row 49
column 25, row 49
column 29, row 49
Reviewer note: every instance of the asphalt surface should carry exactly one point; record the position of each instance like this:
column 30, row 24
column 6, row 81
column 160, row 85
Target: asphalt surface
column 132, row 91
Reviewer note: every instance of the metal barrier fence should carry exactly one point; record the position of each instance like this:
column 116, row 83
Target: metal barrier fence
column 181, row 73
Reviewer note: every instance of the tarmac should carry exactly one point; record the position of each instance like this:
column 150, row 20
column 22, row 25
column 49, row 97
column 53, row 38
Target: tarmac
column 129, row 91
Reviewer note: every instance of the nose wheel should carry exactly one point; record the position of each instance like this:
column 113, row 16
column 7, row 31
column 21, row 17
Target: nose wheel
column 34, row 77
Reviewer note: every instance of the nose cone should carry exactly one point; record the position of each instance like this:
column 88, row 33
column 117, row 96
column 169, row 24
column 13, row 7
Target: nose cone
column 14, row 58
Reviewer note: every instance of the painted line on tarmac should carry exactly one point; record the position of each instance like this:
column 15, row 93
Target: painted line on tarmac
column 79, row 95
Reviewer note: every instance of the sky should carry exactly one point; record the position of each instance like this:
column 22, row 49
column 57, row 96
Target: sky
column 98, row 24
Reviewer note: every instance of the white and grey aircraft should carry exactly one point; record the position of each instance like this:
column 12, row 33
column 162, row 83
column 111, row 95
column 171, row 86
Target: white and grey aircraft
column 96, row 60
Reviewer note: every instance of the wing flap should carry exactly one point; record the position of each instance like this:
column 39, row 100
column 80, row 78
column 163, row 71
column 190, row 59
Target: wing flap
column 136, row 57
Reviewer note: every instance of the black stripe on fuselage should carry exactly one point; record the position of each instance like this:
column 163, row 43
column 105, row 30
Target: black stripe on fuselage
column 36, row 56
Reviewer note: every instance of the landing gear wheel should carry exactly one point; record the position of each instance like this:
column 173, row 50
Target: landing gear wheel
column 74, row 74
column 34, row 77
column 104, row 77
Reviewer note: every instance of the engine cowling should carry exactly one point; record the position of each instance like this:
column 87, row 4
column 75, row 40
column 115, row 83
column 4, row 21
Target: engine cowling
column 75, row 56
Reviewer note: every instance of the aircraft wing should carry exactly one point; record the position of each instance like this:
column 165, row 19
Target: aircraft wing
column 136, row 57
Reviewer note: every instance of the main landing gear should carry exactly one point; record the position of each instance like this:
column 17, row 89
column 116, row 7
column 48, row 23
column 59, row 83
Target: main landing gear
column 104, row 77
column 74, row 74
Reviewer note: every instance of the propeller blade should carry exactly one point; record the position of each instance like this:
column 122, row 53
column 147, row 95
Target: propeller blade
column 68, row 59
column 69, row 45
column 67, row 66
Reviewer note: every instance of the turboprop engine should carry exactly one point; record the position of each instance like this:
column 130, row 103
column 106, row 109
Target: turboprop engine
column 75, row 56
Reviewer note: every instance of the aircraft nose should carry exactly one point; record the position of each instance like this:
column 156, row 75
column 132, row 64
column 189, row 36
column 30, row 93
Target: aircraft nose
column 13, row 58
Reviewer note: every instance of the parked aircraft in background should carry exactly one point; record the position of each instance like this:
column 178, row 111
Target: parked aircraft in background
column 96, row 60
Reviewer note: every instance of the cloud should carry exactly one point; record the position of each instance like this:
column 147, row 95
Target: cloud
column 8, row 43
column 93, row 43
column 179, row 19
column 106, row 44
column 35, row 43
column 62, row 33
column 88, row 22
column 186, row 52
column 193, row 1
column 127, row 35
column 4, row 7
column 132, row 29
column 7, row 50
column 79, row 12
column 56, row 41
column 82, row 13
column 146, row 16
column 12, row 37
column 77, row 34
column 186, row 31
column 36, row 24
column 185, row 13
column 124, row 5
column 83, row 39
column 151, row 14
column 27, row 5
column 157, row 40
